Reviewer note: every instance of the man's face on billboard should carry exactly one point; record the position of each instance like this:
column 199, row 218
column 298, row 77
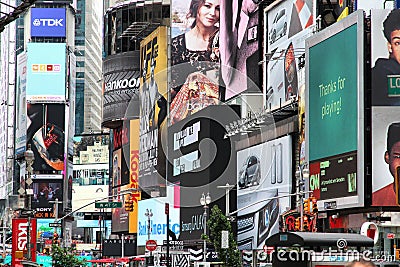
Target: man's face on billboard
column 392, row 158
column 394, row 45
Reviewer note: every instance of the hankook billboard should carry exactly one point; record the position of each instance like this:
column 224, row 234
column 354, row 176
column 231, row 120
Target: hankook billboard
column 335, row 113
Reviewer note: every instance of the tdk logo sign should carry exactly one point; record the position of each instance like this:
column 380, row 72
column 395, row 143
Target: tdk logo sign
column 48, row 22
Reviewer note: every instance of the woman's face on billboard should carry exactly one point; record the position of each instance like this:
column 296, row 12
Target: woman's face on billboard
column 208, row 13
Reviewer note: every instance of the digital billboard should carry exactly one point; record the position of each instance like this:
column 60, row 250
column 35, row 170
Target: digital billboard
column 385, row 100
column 20, row 102
column 45, row 191
column 134, row 174
column 199, row 160
column 158, row 223
column 194, row 60
column 46, row 65
column 46, row 135
column 48, row 22
column 153, row 111
column 121, row 87
column 335, row 98
column 263, row 171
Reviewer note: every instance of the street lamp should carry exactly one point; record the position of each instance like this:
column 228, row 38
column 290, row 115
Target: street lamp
column 302, row 173
column 205, row 201
column 29, row 158
column 148, row 214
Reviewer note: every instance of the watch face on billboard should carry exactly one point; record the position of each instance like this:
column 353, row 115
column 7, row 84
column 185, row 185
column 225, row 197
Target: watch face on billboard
column 48, row 22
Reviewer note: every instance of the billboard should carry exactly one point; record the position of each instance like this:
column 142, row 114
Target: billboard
column 194, row 59
column 48, row 22
column 335, row 98
column 195, row 171
column 20, row 238
column 45, row 192
column 92, row 149
column 83, row 195
column 46, row 136
column 134, row 174
column 385, row 99
column 44, row 231
column 153, row 111
column 72, row 102
column 263, row 171
column 20, row 102
column 158, row 222
column 284, row 46
column 121, row 87
column 46, row 79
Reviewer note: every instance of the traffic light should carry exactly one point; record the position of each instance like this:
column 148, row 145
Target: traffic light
column 307, row 205
column 55, row 238
column 314, row 205
column 306, row 226
column 129, row 205
column 297, row 224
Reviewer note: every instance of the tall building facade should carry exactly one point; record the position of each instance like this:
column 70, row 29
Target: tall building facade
column 88, row 47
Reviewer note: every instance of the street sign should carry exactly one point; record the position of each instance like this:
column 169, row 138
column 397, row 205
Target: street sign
column 151, row 245
column 55, row 225
column 391, row 235
column 107, row 205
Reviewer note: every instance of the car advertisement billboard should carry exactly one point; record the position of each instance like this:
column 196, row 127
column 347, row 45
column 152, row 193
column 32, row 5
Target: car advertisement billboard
column 20, row 102
column 158, row 222
column 121, row 87
column 263, row 171
column 46, row 72
column 199, row 160
column 153, row 111
column 45, row 192
column 46, row 136
column 335, row 98
column 385, row 99
column 48, row 22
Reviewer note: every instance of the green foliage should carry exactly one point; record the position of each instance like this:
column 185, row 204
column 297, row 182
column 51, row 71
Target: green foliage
column 217, row 223
column 65, row 257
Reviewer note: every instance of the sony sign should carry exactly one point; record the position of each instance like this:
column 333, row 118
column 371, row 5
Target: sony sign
column 48, row 22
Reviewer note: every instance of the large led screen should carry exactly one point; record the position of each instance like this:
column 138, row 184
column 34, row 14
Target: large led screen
column 45, row 192
column 153, row 111
column 335, row 112
column 45, row 134
column 46, row 72
column 263, row 171
column 385, row 65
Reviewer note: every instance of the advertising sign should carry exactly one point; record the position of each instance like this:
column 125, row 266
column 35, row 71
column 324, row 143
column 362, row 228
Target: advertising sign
column 20, row 102
column 158, row 222
column 121, row 87
column 385, row 106
column 48, row 22
column 335, row 98
column 44, row 192
column 263, row 171
column 44, row 230
column 71, row 98
column 46, row 136
column 83, row 195
column 20, row 238
column 46, row 65
column 134, row 175
column 195, row 62
column 153, row 111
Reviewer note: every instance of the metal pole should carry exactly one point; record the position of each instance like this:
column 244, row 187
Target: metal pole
column 122, row 252
column 56, row 215
column 205, row 233
column 168, row 240
column 28, row 237
column 227, row 188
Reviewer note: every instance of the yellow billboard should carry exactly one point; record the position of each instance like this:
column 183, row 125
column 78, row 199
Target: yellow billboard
column 134, row 174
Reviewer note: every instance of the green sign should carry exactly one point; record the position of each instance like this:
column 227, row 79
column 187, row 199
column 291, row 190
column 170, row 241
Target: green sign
column 108, row 205
column 333, row 95
column 393, row 85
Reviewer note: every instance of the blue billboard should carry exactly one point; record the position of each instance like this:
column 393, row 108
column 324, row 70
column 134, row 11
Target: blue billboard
column 46, row 72
column 48, row 22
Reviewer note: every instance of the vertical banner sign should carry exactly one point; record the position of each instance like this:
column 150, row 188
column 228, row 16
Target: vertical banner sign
column 153, row 110
column 20, row 109
column 134, row 174
column 20, row 238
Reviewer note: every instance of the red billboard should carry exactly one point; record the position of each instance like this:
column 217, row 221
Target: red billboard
column 20, row 238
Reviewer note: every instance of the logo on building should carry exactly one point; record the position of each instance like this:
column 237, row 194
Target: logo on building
column 48, row 22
